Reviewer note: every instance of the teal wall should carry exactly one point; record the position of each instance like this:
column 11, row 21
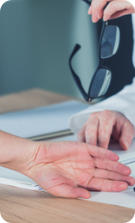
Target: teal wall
column 36, row 38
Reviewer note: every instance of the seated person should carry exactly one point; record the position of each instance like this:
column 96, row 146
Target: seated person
column 114, row 117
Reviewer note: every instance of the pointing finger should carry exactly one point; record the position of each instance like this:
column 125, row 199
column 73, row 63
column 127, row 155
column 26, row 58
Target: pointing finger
column 97, row 9
column 91, row 131
column 101, row 153
column 105, row 131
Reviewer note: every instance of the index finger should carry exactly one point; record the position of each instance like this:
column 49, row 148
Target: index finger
column 97, row 8
column 116, row 7
column 101, row 153
column 112, row 166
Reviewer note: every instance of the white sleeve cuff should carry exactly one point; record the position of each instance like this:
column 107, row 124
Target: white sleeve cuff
column 132, row 2
column 123, row 102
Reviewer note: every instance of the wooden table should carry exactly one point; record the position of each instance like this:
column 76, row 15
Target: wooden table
column 17, row 205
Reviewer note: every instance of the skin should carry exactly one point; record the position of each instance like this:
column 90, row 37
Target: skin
column 114, row 9
column 65, row 169
column 102, row 126
column 71, row 169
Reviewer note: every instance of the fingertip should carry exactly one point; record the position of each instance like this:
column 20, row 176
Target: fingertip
column 105, row 18
column 86, row 195
column 90, row 11
column 115, row 157
column 124, row 145
column 94, row 19
column 82, row 193
column 127, row 171
column 122, row 186
column 132, row 181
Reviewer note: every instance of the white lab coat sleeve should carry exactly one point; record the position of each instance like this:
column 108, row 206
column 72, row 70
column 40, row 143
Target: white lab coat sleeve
column 132, row 2
column 123, row 102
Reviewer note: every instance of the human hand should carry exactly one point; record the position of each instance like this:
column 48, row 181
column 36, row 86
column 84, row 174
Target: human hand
column 114, row 9
column 69, row 169
column 103, row 125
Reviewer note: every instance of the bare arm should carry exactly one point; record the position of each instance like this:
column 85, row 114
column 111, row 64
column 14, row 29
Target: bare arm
column 65, row 169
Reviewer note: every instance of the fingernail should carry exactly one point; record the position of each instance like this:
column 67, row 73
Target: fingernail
column 123, row 186
column 84, row 195
column 116, row 157
column 127, row 171
column 99, row 17
column 94, row 20
column 105, row 19
column 87, row 196
column 126, row 146
column 89, row 12
column 132, row 181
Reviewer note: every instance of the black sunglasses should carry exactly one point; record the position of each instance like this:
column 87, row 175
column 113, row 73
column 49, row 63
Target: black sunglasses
column 108, row 46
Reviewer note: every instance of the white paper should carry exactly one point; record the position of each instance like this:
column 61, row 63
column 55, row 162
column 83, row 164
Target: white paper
column 42, row 120
column 125, row 198
column 126, row 157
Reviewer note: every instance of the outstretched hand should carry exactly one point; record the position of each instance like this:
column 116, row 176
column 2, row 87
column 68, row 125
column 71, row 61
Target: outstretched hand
column 71, row 169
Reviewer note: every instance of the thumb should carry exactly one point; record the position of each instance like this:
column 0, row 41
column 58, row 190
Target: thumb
column 68, row 191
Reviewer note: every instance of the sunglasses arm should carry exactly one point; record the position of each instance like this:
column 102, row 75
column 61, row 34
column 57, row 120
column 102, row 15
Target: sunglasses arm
column 75, row 76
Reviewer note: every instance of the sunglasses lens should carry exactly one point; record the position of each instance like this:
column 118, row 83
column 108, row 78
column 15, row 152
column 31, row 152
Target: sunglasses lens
column 110, row 41
column 100, row 83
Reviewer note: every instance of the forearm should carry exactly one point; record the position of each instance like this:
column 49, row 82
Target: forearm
column 15, row 152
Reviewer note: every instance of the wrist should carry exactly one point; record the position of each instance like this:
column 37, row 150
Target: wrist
column 15, row 152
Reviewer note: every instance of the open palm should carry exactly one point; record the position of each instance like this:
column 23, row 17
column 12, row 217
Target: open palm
column 69, row 169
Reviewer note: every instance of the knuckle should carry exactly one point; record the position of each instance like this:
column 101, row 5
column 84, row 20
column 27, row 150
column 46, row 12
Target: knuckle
column 113, row 5
column 107, row 114
column 129, row 125
column 94, row 115
column 103, row 142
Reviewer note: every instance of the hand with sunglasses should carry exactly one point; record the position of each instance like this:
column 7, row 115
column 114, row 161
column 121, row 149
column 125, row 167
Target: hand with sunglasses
column 105, row 125
column 110, row 9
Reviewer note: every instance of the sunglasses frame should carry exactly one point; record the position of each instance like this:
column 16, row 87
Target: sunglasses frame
column 76, row 78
